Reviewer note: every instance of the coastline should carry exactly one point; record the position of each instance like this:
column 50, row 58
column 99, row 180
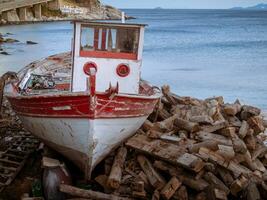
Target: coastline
column 65, row 11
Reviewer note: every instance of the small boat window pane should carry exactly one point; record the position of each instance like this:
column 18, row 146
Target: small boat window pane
column 117, row 42
column 127, row 40
column 87, row 41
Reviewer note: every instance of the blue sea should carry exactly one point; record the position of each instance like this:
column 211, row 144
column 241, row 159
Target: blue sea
column 200, row 53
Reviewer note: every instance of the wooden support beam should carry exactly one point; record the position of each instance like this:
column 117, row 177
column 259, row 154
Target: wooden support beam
column 114, row 178
column 74, row 191
column 155, row 179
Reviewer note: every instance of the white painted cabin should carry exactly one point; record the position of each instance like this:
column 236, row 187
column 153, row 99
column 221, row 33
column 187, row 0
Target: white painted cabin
column 114, row 50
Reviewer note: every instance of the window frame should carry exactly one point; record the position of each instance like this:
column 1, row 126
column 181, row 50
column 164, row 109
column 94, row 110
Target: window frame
column 106, row 53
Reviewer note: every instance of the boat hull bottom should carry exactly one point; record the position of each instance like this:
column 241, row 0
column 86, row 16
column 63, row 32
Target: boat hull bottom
column 84, row 141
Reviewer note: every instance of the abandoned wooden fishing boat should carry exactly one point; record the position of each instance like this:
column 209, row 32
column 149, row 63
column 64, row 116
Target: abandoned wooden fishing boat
column 85, row 103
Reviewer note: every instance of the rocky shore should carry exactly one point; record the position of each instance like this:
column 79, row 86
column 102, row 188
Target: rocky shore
column 67, row 10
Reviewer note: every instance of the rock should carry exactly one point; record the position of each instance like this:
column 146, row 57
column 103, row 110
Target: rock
column 4, row 53
column 31, row 42
column 10, row 40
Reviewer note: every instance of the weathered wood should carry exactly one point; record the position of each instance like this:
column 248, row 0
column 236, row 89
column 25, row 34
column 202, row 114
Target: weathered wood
column 220, row 194
column 239, row 145
column 214, row 127
column 232, row 109
column 238, row 185
column 166, row 92
column 250, row 141
column 243, row 130
column 201, row 119
column 74, row 191
column 156, row 195
column 256, row 123
column 170, row 138
column 215, row 182
column 226, row 151
column 190, row 162
column 114, row 178
column 50, row 162
column 251, row 110
column 170, row 188
column 228, row 131
column 261, row 149
column 186, row 125
column 102, row 180
column 181, row 194
column 253, row 192
column 225, row 176
column 184, row 177
column 148, row 125
column 201, row 196
column 234, row 121
column 154, row 134
column 166, row 151
column 210, row 144
column 203, row 136
column 166, row 124
column 155, row 179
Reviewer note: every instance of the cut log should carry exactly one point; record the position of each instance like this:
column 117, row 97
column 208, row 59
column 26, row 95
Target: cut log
column 251, row 110
column 260, row 150
column 138, row 186
column 234, row 121
column 74, row 191
column 154, row 134
column 181, row 194
column 238, row 185
column 201, row 119
column 226, row 151
column 210, row 144
column 156, row 195
column 226, row 176
column 215, row 127
column 232, row 109
column 253, row 192
column 167, row 124
column 157, row 148
column 190, row 162
column 201, row 196
column 243, row 130
column 204, row 136
column 186, row 125
column 184, row 177
column 164, row 114
column 170, row 188
column 250, row 141
column 166, row 92
column 220, row 194
column 215, row 182
column 256, row 123
column 155, row 179
column 50, row 162
column 239, row 145
column 114, row 178
column 228, row 132
column 102, row 180
column 148, row 125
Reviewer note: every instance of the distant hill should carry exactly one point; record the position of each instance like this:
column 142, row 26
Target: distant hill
column 261, row 6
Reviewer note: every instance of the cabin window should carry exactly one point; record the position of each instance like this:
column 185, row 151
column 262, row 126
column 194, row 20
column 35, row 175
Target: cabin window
column 109, row 42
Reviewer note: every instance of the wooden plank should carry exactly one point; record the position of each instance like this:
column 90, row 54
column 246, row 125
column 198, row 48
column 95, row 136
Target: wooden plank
column 157, row 148
column 170, row 188
column 114, row 178
column 155, row 179
column 74, row 191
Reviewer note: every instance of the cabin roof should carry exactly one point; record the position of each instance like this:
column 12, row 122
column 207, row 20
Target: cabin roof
column 112, row 24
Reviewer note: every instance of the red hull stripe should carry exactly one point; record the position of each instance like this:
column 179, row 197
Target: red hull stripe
column 79, row 106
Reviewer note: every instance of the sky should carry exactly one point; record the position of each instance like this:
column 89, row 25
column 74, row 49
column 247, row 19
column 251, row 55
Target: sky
column 183, row 4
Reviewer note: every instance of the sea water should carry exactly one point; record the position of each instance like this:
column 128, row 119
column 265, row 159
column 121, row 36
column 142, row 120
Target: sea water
column 200, row 53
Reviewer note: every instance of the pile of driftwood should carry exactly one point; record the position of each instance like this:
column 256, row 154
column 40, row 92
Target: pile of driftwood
column 189, row 149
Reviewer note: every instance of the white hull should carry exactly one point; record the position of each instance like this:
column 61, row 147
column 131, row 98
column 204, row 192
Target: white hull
column 85, row 142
